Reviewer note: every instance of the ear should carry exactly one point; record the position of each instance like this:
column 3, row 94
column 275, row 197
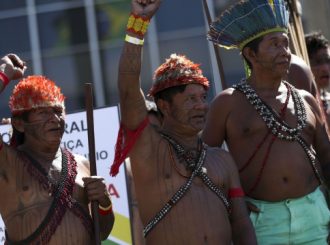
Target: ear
column 250, row 55
column 18, row 124
column 163, row 106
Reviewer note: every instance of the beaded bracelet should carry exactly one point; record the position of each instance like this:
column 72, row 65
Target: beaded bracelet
column 137, row 24
column 105, row 210
column 4, row 78
column 134, row 40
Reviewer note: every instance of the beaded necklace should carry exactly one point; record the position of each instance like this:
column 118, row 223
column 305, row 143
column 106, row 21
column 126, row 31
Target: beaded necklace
column 196, row 166
column 274, row 123
column 277, row 126
column 61, row 191
column 324, row 101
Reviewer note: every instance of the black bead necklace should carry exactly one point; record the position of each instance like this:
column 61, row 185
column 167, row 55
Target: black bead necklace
column 280, row 129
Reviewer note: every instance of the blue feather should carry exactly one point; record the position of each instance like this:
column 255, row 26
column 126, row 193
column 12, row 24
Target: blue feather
column 245, row 20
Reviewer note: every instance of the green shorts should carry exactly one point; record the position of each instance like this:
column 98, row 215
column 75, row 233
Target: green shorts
column 303, row 220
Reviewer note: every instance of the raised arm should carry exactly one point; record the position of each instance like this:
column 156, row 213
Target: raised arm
column 132, row 103
column 11, row 68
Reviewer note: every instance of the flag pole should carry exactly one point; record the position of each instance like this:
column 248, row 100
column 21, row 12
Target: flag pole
column 215, row 47
column 296, row 30
column 92, row 160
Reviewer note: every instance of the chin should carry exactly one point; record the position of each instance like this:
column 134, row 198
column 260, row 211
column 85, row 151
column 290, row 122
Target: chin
column 55, row 140
column 198, row 128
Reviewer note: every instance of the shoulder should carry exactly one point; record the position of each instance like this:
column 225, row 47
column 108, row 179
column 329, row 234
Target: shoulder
column 307, row 96
column 299, row 67
column 222, row 157
column 226, row 97
column 301, row 76
column 81, row 161
column 310, row 99
column 219, row 154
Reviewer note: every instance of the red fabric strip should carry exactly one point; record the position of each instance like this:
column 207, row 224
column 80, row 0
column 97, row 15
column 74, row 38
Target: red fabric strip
column 125, row 144
column 4, row 78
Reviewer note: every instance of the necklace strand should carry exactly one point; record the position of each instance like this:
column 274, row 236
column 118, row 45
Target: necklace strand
column 273, row 122
column 276, row 124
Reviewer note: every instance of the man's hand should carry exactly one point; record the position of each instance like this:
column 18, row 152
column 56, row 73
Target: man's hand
column 97, row 190
column 12, row 66
column 252, row 208
column 5, row 121
column 146, row 8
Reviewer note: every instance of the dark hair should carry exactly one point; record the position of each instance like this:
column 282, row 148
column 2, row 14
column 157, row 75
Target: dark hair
column 254, row 45
column 314, row 42
column 167, row 94
column 17, row 137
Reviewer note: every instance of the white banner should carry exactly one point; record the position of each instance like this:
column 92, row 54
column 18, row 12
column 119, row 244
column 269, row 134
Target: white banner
column 106, row 124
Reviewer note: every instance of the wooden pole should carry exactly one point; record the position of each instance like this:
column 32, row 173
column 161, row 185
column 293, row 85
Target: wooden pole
column 216, row 49
column 296, row 30
column 92, row 160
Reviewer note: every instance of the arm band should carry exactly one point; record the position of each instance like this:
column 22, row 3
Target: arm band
column 235, row 193
column 138, row 24
column 105, row 210
column 134, row 40
column 4, row 78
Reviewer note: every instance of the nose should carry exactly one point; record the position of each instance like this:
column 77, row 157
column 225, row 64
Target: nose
column 285, row 51
column 201, row 104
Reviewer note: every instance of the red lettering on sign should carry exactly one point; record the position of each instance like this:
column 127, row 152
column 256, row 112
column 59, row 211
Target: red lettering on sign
column 113, row 191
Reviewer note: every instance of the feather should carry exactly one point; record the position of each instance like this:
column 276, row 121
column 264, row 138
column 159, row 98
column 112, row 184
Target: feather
column 245, row 20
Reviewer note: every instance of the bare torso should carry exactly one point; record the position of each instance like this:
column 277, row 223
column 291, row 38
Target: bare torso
column 25, row 203
column 198, row 212
column 287, row 173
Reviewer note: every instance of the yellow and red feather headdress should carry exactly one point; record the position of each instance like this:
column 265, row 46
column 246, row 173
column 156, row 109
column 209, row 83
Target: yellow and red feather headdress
column 34, row 92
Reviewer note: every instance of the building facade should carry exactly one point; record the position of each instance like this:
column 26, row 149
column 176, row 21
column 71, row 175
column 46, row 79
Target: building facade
column 77, row 41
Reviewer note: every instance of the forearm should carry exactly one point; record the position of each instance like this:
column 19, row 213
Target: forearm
column 243, row 233
column 242, row 229
column 129, row 70
column 106, row 225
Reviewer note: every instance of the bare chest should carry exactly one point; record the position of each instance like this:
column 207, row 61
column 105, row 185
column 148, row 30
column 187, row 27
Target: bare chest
column 247, row 123
column 171, row 175
column 28, row 187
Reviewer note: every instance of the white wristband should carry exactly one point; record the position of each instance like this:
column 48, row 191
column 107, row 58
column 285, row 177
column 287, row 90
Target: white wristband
column 134, row 40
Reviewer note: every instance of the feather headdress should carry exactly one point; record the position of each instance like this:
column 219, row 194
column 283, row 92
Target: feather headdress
column 247, row 20
column 34, row 92
column 176, row 71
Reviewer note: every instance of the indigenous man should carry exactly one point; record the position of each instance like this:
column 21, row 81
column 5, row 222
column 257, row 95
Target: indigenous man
column 319, row 55
column 187, row 193
column 44, row 189
column 271, row 128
